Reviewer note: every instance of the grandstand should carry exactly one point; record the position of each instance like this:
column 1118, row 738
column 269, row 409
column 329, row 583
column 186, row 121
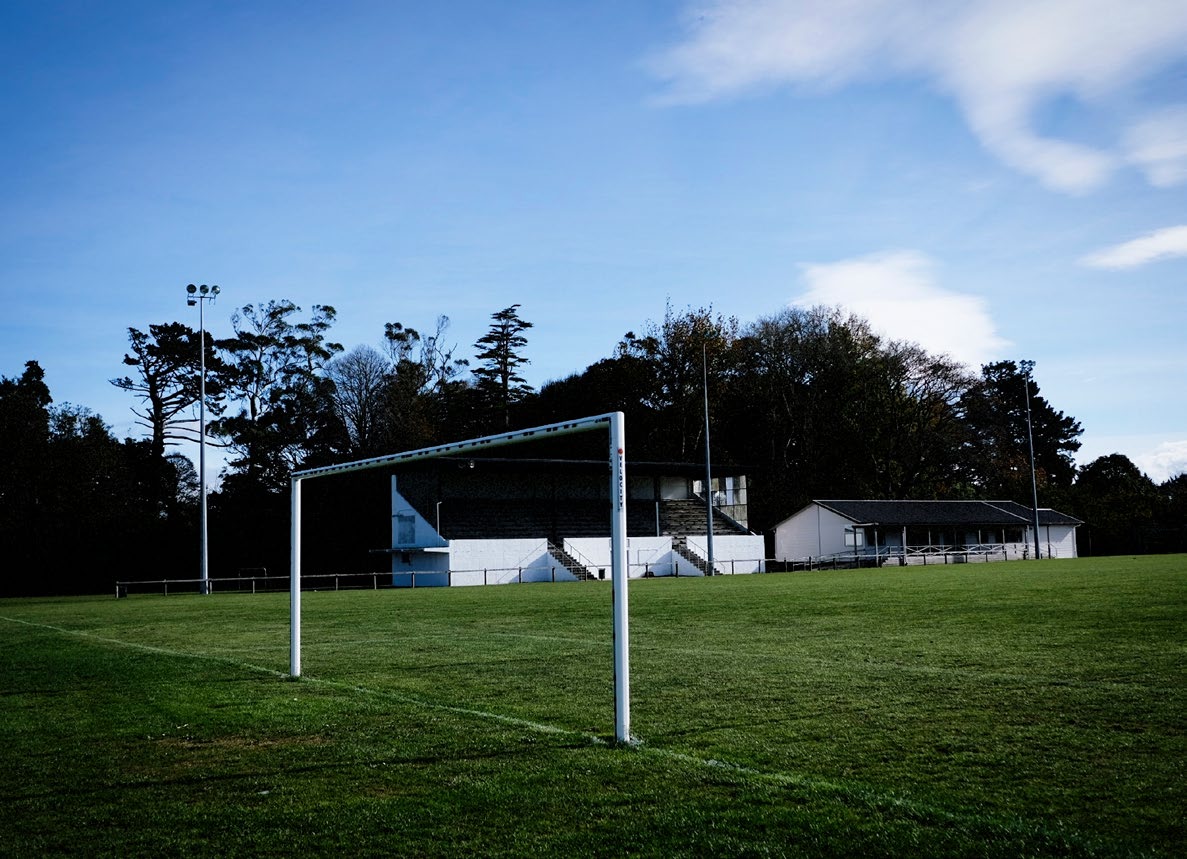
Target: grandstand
column 489, row 520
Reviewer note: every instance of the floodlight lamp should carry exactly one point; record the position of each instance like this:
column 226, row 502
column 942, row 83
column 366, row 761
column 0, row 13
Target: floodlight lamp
column 214, row 290
column 191, row 301
column 191, row 289
column 204, row 289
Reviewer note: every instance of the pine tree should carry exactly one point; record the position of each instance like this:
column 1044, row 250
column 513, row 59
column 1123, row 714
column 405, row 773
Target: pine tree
column 497, row 376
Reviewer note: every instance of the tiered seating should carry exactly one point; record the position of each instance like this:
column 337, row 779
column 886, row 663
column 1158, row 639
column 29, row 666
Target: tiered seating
column 688, row 517
column 477, row 519
column 495, row 520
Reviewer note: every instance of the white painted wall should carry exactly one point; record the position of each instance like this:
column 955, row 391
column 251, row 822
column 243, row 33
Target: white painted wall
column 1057, row 541
column 475, row 562
column 654, row 556
column 740, row 553
column 732, row 553
column 594, row 551
column 478, row 562
column 644, row 554
column 812, row 532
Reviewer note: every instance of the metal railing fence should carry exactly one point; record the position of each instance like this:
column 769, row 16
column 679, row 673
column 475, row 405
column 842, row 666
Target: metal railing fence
column 668, row 568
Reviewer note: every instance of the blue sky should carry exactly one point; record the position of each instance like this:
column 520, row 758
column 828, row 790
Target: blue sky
column 992, row 178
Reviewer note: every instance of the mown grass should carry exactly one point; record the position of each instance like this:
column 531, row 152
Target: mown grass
column 1014, row 709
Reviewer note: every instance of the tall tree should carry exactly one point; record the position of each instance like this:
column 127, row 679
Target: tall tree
column 283, row 418
column 24, row 419
column 1174, row 500
column 275, row 376
column 1172, row 515
column 269, row 349
column 809, row 387
column 443, row 371
column 497, row 377
column 168, row 380
column 995, row 455
column 119, row 501
column 423, row 389
column 675, row 353
column 1118, row 504
column 77, row 507
column 358, row 383
column 618, row 384
column 913, row 425
column 24, row 454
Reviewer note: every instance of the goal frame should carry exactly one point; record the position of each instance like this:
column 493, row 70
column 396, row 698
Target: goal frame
column 613, row 422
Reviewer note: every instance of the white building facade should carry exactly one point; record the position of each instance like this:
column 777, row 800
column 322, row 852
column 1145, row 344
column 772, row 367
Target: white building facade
column 914, row 531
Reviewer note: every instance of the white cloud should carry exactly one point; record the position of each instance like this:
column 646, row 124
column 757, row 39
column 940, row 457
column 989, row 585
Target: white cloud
column 1159, row 146
column 898, row 294
column 1000, row 59
column 1156, row 457
column 1169, row 242
column 1167, row 460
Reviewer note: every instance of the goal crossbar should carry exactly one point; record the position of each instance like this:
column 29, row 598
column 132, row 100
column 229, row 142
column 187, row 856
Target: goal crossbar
column 613, row 422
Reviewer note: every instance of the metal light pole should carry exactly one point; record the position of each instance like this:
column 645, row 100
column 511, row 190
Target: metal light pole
column 708, row 468
column 199, row 295
column 1027, row 366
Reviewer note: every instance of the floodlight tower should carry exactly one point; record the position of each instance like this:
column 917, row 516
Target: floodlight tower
column 199, row 295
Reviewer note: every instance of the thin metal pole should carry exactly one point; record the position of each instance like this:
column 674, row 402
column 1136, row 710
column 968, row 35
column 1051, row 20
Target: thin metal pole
column 1027, row 366
column 295, row 583
column 619, row 576
column 708, row 468
column 202, row 441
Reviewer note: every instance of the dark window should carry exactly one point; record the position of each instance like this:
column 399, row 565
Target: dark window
column 405, row 529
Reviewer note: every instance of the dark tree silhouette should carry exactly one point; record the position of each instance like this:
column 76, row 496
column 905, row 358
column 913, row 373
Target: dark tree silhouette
column 78, row 509
column 274, row 375
column 497, row 377
column 673, row 355
column 995, row 456
column 1118, row 503
column 358, row 383
column 168, row 380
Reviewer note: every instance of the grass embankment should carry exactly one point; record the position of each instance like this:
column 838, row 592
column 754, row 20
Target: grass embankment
column 991, row 710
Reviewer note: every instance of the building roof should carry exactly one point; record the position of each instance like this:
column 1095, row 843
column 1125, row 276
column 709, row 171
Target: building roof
column 528, row 465
column 944, row 513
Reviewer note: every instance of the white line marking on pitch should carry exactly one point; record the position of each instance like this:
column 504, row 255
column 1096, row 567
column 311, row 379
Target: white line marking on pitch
column 868, row 795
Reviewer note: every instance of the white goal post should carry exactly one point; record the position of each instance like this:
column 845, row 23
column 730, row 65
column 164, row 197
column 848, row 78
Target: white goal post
column 618, row 556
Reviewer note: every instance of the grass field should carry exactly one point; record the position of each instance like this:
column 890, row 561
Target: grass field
column 1021, row 709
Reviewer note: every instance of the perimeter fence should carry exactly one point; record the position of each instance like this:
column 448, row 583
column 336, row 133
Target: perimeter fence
column 259, row 581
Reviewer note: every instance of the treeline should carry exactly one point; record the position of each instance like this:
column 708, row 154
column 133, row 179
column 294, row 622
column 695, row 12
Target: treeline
column 812, row 402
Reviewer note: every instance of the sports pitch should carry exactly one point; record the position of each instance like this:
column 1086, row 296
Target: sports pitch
column 1028, row 708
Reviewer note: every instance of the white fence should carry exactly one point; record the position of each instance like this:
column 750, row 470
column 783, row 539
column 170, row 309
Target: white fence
column 644, row 564
column 972, row 553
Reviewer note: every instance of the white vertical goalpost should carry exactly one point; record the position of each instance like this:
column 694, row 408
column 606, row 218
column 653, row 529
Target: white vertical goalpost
column 613, row 422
